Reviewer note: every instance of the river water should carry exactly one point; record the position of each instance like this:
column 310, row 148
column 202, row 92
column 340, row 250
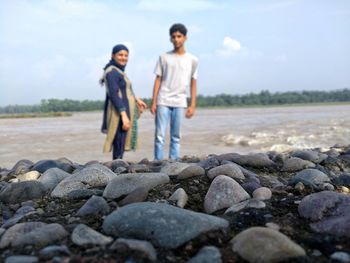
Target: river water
column 244, row 130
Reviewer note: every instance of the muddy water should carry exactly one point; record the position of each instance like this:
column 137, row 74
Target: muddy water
column 210, row 131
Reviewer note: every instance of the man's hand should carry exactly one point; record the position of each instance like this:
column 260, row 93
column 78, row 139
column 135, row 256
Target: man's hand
column 189, row 112
column 153, row 108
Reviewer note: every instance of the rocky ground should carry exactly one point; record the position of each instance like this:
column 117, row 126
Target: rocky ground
column 266, row 207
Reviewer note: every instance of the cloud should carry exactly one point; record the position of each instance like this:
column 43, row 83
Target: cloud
column 176, row 5
column 230, row 47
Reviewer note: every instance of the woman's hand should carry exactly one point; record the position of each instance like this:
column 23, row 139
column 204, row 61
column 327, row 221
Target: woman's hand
column 125, row 121
column 141, row 105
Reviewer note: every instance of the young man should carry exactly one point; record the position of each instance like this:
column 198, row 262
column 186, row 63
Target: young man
column 176, row 73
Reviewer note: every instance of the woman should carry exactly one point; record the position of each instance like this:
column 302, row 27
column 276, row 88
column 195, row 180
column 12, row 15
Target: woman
column 121, row 108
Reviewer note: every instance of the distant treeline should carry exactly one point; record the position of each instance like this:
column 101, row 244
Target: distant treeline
column 222, row 100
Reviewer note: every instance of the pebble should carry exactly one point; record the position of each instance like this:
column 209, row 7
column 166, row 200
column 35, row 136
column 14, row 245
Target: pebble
column 341, row 257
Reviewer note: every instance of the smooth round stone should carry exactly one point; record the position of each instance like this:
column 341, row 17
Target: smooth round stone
column 43, row 165
column 299, row 186
column 96, row 205
column 174, row 168
column 344, row 190
column 257, row 160
column 83, row 236
column 208, row 254
column 231, row 170
column 42, row 236
column 180, row 196
column 93, row 176
column 262, row 193
column 191, row 171
column 310, row 155
column 341, row 257
column 54, row 250
column 209, row 163
column 164, row 225
column 237, row 207
column 327, row 187
column 22, row 166
column 140, row 194
column 17, row 231
column 265, row 245
column 142, row 246
column 52, row 177
column 251, row 186
column 126, row 183
column 21, row 259
column 254, row 203
column 295, row 164
column 29, row 176
column 310, row 177
column 223, row 193
column 18, row 192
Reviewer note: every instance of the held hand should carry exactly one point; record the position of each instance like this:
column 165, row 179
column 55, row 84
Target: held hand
column 189, row 112
column 141, row 105
column 126, row 122
column 153, row 108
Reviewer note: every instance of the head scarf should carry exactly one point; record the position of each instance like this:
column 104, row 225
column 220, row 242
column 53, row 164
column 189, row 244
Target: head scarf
column 115, row 50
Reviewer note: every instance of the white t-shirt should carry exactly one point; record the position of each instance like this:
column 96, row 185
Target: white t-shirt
column 176, row 72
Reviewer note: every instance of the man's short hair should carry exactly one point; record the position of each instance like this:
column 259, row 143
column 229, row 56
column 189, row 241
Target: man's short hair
column 178, row 27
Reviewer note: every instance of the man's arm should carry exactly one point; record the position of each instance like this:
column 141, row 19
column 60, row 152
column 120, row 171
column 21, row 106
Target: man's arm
column 192, row 107
column 156, row 88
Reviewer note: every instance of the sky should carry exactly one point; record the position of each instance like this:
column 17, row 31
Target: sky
column 57, row 48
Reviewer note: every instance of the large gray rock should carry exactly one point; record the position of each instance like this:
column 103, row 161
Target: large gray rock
column 126, row 183
column 310, row 155
column 231, row 170
column 22, row 166
column 95, row 175
column 164, row 225
column 42, row 236
column 330, row 212
column 174, row 168
column 96, row 205
column 257, row 160
column 191, row 171
column 310, row 177
column 138, row 195
column 265, row 245
column 21, row 259
column 20, row 213
column 17, row 231
column 29, row 176
column 43, row 165
column 342, row 180
column 295, row 164
column 146, row 248
column 83, row 236
column 223, row 193
column 52, row 177
column 18, row 192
